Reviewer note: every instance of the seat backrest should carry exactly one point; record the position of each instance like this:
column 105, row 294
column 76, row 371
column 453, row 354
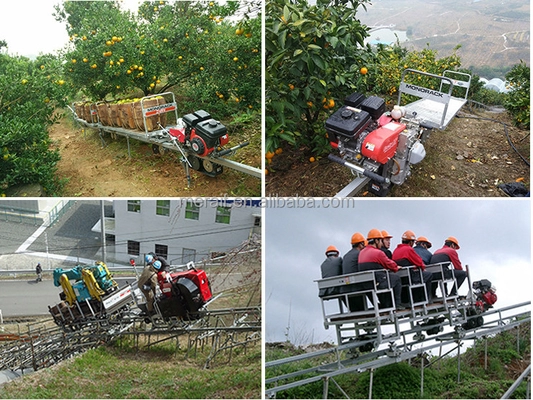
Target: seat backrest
column 440, row 257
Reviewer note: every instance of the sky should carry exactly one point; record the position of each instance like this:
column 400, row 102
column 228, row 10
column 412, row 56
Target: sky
column 29, row 28
column 494, row 235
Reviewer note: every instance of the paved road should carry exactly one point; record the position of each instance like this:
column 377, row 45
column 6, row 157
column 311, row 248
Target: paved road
column 27, row 297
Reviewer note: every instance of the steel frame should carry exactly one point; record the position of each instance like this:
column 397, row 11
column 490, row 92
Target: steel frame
column 393, row 353
column 40, row 347
column 160, row 138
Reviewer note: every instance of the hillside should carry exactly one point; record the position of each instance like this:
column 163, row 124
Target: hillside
column 508, row 355
column 491, row 33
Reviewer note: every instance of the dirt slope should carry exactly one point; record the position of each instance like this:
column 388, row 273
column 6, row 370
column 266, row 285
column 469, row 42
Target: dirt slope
column 94, row 170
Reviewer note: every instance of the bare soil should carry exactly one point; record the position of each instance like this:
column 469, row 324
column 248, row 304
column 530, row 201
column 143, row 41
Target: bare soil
column 102, row 168
column 468, row 159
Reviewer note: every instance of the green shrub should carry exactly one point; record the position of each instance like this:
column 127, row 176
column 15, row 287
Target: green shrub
column 30, row 92
column 518, row 99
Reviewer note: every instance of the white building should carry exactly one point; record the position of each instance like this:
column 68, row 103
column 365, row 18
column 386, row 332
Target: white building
column 180, row 230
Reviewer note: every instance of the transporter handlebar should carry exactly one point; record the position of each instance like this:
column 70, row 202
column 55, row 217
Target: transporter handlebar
column 365, row 172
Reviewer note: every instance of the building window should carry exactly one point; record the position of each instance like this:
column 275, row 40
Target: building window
column 134, row 248
column 223, row 215
column 134, row 206
column 192, row 211
column 188, row 255
column 162, row 207
column 161, row 250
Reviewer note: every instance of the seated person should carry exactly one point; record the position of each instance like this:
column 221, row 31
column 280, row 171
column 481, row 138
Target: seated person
column 405, row 255
column 448, row 253
column 372, row 258
column 332, row 266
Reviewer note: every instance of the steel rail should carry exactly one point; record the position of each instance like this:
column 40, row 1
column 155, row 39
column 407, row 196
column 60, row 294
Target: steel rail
column 42, row 347
column 151, row 138
column 388, row 356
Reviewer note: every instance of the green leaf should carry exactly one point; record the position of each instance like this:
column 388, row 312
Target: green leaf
column 287, row 137
column 282, row 37
column 319, row 62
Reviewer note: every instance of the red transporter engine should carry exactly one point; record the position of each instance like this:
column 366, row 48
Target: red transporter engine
column 183, row 293
column 201, row 134
column 382, row 146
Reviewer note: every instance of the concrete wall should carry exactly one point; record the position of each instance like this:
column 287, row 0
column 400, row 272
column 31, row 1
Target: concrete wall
column 198, row 238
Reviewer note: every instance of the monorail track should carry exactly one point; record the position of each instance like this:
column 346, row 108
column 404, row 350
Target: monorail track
column 40, row 347
column 347, row 358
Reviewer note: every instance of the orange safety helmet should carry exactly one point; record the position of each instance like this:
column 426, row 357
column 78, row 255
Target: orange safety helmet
column 453, row 240
column 332, row 249
column 357, row 238
column 386, row 235
column 424, row 239
column 409, row 235
column 374, row 234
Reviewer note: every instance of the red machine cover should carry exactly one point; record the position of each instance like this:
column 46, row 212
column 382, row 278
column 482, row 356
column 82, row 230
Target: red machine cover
column 380, row 145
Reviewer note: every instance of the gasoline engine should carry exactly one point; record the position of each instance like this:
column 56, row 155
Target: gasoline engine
column 377, row 144
column 484, row 295
column 183, row 293
column 203, row 136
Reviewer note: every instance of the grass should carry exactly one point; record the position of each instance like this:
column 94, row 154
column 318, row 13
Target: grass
column 121, row 371
column 507, row 358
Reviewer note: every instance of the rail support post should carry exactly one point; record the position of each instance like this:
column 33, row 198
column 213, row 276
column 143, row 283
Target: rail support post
column 371, row 383
column 458, row 361
column 422, row 378
column 325, row 387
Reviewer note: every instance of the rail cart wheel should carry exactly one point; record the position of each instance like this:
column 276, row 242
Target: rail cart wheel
column 195, row 163
column 208, row 165
column 211, row 168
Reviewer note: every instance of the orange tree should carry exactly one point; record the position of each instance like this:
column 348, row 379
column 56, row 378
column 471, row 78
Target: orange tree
column 388, row 62
column 518, row 99
column 189, row 44
column 215, row 59
column 102, row 46
column 30, row 92
column 315, row 56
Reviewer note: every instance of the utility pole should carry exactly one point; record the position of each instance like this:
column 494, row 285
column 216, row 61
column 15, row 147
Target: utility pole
column 102, row 228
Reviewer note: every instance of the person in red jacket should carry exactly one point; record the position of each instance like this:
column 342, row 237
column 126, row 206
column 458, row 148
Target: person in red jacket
column 372, row 258
column 386, row 243
column 448, row 253
column 405, row 255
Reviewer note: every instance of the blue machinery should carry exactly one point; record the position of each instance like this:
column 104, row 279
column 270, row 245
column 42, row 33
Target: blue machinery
column 371, row 337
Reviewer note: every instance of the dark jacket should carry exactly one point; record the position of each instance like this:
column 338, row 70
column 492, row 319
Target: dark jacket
column 424, row 253
column 332, row 266
column 350, row 265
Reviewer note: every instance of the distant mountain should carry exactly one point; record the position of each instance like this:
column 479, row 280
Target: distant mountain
column 492, row 34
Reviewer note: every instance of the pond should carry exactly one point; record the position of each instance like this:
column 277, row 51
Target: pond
column 386, row 36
